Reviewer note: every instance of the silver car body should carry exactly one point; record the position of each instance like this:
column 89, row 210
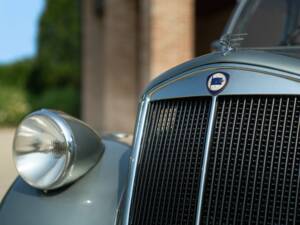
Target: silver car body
column 99, row 197
column 103, row 196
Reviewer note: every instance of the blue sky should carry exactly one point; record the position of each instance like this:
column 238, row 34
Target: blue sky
column 18, row 28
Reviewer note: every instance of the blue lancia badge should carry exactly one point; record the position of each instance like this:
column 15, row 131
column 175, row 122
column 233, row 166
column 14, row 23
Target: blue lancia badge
column 216, row 82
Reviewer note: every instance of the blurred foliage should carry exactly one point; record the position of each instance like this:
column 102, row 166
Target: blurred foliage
column 58, row 46
column 68, row 99
column 13, row 105
column 52, row 78
column 57, row 65
column 16, row 74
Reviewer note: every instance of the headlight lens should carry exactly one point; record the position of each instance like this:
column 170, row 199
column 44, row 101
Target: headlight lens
column 43, row 149
column 52, row 149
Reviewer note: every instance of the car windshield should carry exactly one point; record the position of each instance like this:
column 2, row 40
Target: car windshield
column 269, row 23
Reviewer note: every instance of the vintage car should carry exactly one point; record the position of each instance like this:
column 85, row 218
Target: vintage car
column 217, row 141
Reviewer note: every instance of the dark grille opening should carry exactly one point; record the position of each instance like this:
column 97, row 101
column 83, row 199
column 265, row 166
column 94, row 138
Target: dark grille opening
column 168, row 173
column 253, row 170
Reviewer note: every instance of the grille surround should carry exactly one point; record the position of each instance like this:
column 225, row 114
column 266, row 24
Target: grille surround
column 245, row 79
column 203, row 205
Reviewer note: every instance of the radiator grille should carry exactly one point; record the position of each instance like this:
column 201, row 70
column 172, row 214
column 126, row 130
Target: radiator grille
column 253, row 169
column 168, row 172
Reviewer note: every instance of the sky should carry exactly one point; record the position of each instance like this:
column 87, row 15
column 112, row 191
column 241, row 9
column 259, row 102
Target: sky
column 18, row 28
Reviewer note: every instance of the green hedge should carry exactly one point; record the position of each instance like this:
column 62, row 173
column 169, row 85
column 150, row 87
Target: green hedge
column 63, row 99
column 14, row 105
column 17, row 98
column 16, row 74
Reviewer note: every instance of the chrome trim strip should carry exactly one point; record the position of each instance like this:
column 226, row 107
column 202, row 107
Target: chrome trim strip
column 135, row 156
column 205, row 158
column 263, row 77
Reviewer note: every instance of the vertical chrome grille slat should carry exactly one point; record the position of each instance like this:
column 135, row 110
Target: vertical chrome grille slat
column 279, row 162
column 294, row 213
column 286, row 163
column 177, row 139
column 272, row 162
column 222, row 143
column 174, row 208
column 270, row 117
column 260, row 169
column 171, row 159
column 164, row 196
column 215, row 161
column 153, row 169
column 248, row 171
column 254, row 130
column 152, row 116
column 241, row 170
column 159, row 169
column 183, row 154
column 231, row 196
column 147, row 164
column 198, row 144
column 255, row 180
column 227, row 166
column 189, row 168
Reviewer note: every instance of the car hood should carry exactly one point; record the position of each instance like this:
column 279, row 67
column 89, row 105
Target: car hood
column 273, row 59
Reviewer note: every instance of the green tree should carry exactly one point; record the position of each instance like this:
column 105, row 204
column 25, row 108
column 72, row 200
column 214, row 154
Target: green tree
column 52, row 78
column 57, row 65
column 14, row 104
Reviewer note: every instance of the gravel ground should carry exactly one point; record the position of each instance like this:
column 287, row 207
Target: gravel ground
column 7, row 169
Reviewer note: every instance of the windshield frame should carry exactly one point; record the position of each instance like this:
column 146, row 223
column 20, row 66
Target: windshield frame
column 235, row 20
column 235, row 16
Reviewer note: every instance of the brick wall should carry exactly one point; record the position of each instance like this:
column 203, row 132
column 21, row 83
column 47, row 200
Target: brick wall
column 127, row 45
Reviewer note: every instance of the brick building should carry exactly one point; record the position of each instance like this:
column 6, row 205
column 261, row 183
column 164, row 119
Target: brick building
column 126, row 43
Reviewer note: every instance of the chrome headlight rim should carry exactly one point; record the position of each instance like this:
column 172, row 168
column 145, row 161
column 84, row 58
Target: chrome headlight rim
column 70, row 148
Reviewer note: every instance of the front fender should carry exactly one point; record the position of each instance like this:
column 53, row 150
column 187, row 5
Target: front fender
column 92, row 200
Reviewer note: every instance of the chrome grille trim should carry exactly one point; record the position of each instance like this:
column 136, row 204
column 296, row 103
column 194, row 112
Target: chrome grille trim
column 289, row 85
column 135, row 154
column 208, row 140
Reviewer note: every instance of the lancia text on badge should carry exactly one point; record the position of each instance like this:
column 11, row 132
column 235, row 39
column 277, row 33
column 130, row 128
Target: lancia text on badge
column 216, row 82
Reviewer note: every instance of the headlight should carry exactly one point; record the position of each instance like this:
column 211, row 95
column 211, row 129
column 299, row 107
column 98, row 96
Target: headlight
column 52, row 149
